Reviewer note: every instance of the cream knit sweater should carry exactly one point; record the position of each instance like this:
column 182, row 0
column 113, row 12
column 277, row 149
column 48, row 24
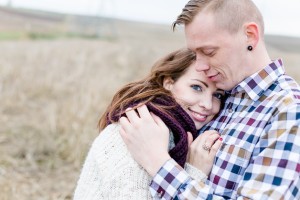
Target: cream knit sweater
column 109, row 171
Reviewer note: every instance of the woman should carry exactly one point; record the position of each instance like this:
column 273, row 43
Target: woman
column 174, row 91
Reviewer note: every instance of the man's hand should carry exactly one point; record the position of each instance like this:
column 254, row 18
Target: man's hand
column 146, row 137
column 203, row 149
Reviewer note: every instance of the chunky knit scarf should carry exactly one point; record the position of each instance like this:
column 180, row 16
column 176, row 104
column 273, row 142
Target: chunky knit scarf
column 177, row 120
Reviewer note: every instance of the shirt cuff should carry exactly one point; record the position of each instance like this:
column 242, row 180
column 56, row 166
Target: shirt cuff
column 166, row 182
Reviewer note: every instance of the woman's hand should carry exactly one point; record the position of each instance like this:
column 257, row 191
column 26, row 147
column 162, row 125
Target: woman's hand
column 202, row 151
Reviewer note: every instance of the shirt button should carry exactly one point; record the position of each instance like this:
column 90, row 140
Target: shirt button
column 160, row 194
column 230, row 110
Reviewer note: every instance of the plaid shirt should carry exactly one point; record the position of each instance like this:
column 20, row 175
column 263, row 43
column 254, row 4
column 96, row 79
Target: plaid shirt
column 260, row 154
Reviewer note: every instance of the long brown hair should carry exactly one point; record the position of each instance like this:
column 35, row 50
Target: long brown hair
column 171, row 66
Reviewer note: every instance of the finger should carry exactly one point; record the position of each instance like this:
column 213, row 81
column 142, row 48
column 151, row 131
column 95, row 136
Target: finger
column 190, row 138
column 144, row 112
column 190, row 141
column 131, row 115
column 125, row 123
column 199, row 140
column 216, row 146
column 157, row 120
column 205, row 135
column 124, row 135
column 209, row 132
column 210, row 139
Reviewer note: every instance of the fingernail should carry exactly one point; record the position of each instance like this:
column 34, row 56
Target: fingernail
column 221, row 139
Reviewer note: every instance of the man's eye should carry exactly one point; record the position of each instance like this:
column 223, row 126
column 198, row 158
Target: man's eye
column 209, row 53
column 197, row 87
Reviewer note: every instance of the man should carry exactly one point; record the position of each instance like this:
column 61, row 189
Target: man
column 260, row 155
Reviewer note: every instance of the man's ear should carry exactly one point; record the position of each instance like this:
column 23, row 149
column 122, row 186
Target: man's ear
column 168, row 83
column 253, row 33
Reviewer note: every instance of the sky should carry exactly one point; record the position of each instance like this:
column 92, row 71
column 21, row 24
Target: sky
column 282, row 17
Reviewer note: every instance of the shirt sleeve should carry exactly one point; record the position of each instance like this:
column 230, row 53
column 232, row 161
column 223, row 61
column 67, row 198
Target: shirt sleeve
column 173, row 182
column 273, row 171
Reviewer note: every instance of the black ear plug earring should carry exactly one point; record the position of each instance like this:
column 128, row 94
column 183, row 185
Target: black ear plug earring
column 250, row 48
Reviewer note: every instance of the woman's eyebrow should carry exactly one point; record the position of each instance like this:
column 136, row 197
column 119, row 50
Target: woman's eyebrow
column 201, row 82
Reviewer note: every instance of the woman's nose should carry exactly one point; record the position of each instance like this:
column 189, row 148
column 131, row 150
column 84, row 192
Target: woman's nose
column 206, row 103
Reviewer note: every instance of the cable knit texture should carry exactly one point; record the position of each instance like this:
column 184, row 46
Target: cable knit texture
column 109, row 171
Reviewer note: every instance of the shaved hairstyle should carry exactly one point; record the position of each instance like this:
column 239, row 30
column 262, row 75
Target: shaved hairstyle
column 229, row 14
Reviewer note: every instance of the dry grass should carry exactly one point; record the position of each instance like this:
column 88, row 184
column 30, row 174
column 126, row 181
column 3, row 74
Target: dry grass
column 52, row 93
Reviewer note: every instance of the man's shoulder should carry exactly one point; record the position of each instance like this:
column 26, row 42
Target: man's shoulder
column 284, row 93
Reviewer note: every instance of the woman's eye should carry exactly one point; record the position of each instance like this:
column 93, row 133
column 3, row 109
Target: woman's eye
column 219, row 96
column 197, row 87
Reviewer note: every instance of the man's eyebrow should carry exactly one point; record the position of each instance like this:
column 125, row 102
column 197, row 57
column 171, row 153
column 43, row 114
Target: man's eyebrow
column 206, row 47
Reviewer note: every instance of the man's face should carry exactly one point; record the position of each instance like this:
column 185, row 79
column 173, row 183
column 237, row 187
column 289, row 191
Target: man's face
column 220, row 54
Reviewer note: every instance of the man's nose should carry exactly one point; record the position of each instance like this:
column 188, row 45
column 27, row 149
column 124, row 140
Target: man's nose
column 201, row 65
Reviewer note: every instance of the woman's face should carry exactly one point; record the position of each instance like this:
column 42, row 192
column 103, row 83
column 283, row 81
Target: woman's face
column 198, row 96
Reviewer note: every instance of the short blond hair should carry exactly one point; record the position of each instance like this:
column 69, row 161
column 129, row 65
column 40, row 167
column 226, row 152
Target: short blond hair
column 230, row 14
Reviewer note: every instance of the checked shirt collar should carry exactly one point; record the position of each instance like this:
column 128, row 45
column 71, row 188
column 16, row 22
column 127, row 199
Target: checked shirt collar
column 259, row 82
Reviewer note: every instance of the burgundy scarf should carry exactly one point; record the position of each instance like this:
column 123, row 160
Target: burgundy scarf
column 177, row 120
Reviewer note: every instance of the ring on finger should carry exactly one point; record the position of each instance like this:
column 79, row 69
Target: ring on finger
column 205, row 147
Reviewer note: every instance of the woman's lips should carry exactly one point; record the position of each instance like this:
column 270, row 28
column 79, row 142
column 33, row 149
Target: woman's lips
column 198, row 116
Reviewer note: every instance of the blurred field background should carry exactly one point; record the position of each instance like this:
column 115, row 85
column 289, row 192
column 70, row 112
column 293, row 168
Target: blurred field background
column 57, row 74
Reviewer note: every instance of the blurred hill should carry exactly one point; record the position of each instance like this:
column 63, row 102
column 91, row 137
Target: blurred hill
column 284, row 43
column 42, row 22
column 57, row 74
column 33, row 24
column 26, row 20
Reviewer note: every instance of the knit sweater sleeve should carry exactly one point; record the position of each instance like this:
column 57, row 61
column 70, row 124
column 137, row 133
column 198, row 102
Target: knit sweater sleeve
column 195, row 173
column 90, row 179
column 109, row 171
